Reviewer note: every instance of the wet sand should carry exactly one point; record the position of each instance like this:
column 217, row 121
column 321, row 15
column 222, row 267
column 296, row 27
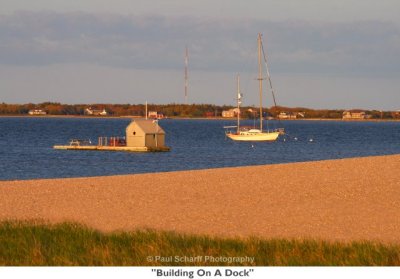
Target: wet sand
column 348, row 199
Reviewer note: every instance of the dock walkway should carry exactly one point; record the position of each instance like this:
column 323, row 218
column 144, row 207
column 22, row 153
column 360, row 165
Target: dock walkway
column 113, row 148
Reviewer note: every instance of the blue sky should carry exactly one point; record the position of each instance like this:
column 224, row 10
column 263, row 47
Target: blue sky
column 322, row 54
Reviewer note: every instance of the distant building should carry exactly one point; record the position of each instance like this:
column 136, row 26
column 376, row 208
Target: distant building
column 90, row 111
column 209, row 114
column 290, row 115
column 227, row 113
column 155, row 115
column 145, row 133
column 230, row 113
column 252, row 112
column 355, row 114
column 37, row 112
column 286, row 115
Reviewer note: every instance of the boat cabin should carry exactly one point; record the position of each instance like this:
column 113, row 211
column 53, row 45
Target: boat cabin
column 145, row 133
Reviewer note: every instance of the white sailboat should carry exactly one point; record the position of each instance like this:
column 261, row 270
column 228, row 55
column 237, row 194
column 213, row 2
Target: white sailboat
column 246, row 134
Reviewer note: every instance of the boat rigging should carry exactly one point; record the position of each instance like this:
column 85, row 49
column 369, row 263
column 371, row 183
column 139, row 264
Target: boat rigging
column 246, row 134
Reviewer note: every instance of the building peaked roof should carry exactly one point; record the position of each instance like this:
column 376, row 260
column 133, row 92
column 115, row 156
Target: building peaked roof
column 148, row 126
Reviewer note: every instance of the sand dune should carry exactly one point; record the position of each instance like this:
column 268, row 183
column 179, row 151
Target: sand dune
column 349, row 199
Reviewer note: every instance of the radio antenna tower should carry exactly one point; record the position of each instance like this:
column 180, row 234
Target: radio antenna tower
column 186, row 75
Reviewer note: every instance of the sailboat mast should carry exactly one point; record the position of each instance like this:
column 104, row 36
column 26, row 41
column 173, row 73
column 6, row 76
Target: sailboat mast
column 260, row 78
column 186, row 75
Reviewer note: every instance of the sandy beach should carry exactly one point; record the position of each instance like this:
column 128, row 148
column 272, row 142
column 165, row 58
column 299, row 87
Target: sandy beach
column 348, row 199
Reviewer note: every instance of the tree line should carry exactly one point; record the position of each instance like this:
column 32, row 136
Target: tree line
column 179, row 110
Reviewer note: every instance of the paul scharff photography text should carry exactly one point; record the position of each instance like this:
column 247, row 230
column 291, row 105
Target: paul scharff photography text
column 200, row 259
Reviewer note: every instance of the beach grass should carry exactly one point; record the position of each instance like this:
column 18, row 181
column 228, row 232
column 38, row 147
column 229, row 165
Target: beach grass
column 70, row 244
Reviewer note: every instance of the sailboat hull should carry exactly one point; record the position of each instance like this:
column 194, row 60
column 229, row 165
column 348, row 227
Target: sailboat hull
column 249, row 136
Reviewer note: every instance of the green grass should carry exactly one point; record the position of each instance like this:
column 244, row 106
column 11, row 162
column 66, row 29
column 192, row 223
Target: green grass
column 33, row 244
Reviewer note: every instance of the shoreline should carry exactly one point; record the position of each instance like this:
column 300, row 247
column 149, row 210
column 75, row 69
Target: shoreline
column 192, row 170
column 194, row 118
column 333, row 200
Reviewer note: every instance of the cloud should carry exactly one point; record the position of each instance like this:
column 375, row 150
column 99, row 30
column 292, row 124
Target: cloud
column 156, row 42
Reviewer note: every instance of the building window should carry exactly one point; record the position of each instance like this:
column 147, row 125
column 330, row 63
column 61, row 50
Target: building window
column 134, row 133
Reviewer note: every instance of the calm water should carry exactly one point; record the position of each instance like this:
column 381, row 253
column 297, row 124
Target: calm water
column 26, row 146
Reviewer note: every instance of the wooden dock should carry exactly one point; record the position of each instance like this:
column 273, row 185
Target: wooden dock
column 112, row 148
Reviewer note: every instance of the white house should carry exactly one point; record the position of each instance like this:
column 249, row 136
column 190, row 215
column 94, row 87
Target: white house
column 90, row 111
column 230, row 113
column 355, row 114
column 37, row 112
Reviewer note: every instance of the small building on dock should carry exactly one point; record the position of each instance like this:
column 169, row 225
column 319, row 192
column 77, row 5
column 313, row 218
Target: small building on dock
column 141, row 136
column 145, row 133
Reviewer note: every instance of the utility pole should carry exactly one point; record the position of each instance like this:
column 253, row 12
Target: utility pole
column 146, row 110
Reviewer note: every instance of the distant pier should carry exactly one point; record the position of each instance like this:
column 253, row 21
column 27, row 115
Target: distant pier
column 113, row 148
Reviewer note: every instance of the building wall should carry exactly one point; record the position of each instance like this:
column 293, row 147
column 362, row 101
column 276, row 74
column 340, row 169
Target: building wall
column 353, row 115
column 37, row 112
column 228, row 113
column 152, row 114
column 135, row 141
column 136, row 137
column 154, row 140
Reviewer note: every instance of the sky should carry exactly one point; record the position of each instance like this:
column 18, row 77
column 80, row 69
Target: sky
column 340, row 54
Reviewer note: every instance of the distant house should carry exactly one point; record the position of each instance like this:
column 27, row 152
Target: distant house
column 227, row 113
column 145, row 133
column 209, row 114
column 37, row 112
column 155, row 115
column 252, row 112
column 90, row 111
column 354, row 114
column 290, row 115
column 286, row 115
column 230, row 113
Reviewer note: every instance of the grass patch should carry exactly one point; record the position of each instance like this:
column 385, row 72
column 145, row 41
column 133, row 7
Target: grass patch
column 68, row 244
